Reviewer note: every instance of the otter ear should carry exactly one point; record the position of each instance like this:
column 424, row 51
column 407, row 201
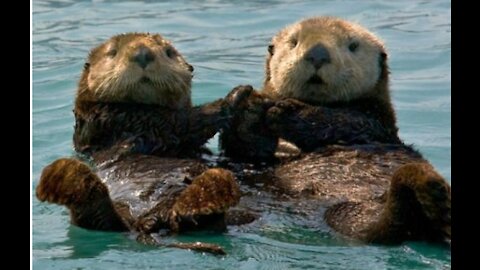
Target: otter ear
column 383, row 66
column 190, row 68
column 383, row 56
column 271, row 48
column 86, row 66
column 383, row 60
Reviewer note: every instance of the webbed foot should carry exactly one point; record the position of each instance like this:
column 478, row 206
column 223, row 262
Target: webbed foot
column 72, row 183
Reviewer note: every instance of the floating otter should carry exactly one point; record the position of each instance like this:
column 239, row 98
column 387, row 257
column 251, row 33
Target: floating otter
column 136, row 124
column 326, row 90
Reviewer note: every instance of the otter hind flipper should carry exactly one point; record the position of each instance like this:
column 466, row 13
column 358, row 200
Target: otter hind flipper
column 418, row 207
column 204, row 202
column 72, row 183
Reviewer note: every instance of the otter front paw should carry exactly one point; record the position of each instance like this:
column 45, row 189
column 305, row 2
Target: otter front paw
column 290, row 105
column 247, row 137
column 283, row 113
column 245, row 98
column 238, row 95
column 284, row 108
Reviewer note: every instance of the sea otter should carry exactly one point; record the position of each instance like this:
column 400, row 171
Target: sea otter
column 326, row 90
column 136, row 127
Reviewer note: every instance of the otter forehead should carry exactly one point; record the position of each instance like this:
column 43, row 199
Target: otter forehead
column 129, row 41
column 328, row 29
column 128, row 37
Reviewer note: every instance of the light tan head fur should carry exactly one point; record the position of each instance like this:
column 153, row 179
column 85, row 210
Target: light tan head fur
column 325, row 59
column 136, row 68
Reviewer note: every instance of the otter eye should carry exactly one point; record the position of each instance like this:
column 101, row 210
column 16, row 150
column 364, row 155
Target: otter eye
column 170, row 52
column 270, row 49
column 294, row 42
column 353, row 46
column 112, row 52
column 86, row 65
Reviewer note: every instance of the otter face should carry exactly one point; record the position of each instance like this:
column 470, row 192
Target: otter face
column 324, row 60
column 138, row 68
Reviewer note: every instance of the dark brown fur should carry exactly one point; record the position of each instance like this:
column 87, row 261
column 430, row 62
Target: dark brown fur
column 375, row 188
column 173, row 129
column 147, row 129
column 143, row 177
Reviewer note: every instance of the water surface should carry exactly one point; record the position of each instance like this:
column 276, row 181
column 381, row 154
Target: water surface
column 226, row 42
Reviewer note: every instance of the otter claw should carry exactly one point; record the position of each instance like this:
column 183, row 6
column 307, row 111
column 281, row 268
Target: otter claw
column 148, row 223
column 282, row 109
column 147, row 239
column 289, row 104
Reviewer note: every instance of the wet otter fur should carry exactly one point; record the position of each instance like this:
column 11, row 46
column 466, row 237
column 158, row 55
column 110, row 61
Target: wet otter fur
column 326, row 90
column 141, row 140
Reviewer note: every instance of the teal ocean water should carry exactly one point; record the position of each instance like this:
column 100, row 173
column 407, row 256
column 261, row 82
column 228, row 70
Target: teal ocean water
column 226, row 42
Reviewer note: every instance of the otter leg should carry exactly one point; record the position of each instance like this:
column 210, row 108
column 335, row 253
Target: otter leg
column 247, row 138
column 418, row 207
column 71, row 183
column 158, row 217
column 201, row 205
column 206, row 120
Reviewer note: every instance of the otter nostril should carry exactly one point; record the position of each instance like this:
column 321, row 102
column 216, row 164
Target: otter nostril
column 318, row 56
column 143, row 56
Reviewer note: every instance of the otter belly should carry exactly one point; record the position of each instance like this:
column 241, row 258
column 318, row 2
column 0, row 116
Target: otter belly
column 336, row 173
column 333, row 174
column 141, row 181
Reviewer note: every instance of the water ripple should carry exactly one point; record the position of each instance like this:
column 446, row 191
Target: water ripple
column 227, row 42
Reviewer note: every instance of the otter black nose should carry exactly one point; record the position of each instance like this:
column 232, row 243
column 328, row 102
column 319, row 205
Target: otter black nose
column 143, row 56
column 318, row 56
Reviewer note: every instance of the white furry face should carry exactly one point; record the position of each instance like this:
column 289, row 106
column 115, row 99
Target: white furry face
column 139, row 68
column 323, row 60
